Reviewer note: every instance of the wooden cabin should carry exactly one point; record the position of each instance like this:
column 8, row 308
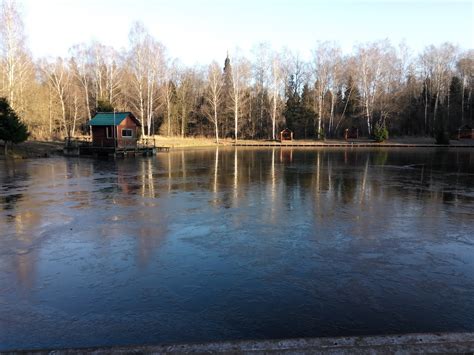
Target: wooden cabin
column 115, row 129
column 466, row 132
column 286, row 135
column 351, row 133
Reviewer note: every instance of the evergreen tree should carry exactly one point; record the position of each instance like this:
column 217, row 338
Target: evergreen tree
column 299, row 112
column 308, row 113
column 104, row 106
column 12, row 130
column 352, row 97
column 226, row 112
column 293, row 109
column 348, row 107
column 455, row 104
column 411, row 109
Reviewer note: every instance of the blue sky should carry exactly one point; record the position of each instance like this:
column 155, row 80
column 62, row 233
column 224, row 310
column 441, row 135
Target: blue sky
column 200, row 31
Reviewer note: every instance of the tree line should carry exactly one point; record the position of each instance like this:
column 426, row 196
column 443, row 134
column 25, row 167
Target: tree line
column 378, row 85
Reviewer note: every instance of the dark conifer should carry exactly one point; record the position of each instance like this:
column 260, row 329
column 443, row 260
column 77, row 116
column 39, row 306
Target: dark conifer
column 12, row 130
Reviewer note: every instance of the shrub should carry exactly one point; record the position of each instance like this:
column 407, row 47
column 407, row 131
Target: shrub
column 320, row 135
column 380, row 134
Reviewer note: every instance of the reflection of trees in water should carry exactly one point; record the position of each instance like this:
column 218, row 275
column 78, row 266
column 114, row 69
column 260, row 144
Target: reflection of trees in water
column 12, row 182
column 379, row 157
column 216, row 172
column 117, row 180
column 9, row 201
column 273, row 181
column 348, row 176
column 21, row 218
column 133, row 184
column 186, row 170
column 147, row 178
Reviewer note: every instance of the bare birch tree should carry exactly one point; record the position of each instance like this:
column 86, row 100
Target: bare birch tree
column 438, row 64
column 113, row 74
column 82, row 71
column 465, row 67
column 277, row 84
column 138, row 61
column 185, row 92
column 213, row 95
column 167, row 93
column 370, row 59
column 15, row 57
column 58, row 78
column 240, row 72
column 321, row 66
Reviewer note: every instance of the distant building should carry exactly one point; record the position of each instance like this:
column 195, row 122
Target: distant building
column 119, row 129
column 466, row 132
column 286, row 135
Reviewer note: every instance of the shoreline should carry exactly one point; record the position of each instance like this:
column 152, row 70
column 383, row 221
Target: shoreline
column 176, row 142
column 45, row 149
column 373, row 344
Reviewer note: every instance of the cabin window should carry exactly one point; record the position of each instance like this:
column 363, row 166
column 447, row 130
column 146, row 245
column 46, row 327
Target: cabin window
column 127, row 133
column 108, row 132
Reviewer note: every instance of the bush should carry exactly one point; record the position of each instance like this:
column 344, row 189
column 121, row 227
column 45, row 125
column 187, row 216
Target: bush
column 320, row 135
column 380, row 134
column 104, row 106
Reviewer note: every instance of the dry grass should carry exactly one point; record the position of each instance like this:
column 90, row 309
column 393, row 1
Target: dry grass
column 191, row 142
column 32, row 149
column 178, row 142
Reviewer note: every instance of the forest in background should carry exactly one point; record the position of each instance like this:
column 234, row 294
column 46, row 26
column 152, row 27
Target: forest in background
column 378, row 85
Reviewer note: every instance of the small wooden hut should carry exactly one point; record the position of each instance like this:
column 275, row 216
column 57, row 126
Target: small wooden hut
column 286, row 135
column 351, row 133
column 115, row 129
column 466, row 132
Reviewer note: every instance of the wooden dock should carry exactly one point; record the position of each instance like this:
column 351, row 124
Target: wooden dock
column 85, row 148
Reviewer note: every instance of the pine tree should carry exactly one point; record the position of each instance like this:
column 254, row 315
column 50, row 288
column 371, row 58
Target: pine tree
column 293, row 107
column 308, row 113
column 12, row 130
column 104, row 106
column 227, row 97
column 351, row 100
column 455, row 104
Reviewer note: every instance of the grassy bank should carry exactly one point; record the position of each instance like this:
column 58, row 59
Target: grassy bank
column 189, row 142
column 32, row 149
column 178, row 142
column 40, row 149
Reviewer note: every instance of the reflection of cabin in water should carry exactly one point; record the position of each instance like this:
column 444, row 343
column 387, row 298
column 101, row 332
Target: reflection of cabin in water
column 119, row 130
column 466, row 132
column 286, row 135
column 286, row 155
column 351, row 133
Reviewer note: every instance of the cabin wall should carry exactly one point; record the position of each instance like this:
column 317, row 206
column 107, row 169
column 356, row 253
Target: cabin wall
column 99, row 137
column 286, row 135
column 124, row 142
column 466, row 134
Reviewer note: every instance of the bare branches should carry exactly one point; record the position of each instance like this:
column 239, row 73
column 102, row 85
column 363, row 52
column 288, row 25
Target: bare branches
column 213, row 95
column 378, row 84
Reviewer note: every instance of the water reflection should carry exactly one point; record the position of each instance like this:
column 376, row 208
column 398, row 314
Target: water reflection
column 337, row 240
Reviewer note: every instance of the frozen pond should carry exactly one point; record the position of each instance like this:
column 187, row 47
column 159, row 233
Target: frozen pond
column 228, row 244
